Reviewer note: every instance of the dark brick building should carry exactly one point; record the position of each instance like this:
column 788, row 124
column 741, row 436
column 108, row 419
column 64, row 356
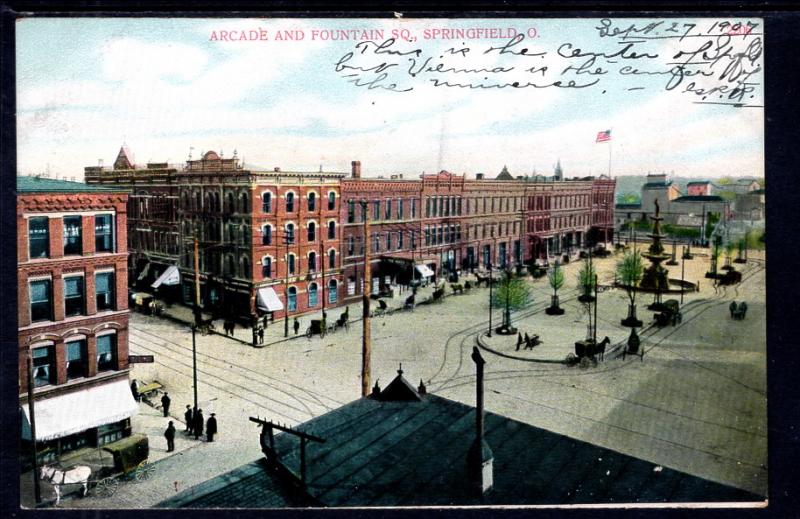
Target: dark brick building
column 73, row 313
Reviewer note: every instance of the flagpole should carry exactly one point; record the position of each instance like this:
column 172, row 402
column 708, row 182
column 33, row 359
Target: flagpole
column 610, row 143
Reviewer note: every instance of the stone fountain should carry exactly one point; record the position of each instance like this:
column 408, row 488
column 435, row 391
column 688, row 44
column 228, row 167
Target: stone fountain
column 655, row 277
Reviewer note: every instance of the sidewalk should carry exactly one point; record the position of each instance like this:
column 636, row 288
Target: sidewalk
column 149, row 421
column 274, row 332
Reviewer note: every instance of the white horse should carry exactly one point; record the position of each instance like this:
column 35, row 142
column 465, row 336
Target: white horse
column 78, row 475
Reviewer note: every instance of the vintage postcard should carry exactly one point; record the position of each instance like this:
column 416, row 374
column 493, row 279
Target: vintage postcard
column 399, row 262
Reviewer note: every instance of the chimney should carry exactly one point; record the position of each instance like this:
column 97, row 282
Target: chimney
column 356, row 165
column 480, row 459
column 276, row 169
column 422, row 390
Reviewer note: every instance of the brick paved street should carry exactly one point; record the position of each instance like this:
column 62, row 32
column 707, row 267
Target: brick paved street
column 697, row 401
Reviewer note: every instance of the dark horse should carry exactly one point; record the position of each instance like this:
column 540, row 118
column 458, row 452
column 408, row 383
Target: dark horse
column 590, row 349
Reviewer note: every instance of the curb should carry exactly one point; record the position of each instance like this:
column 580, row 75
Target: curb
column 479, row 341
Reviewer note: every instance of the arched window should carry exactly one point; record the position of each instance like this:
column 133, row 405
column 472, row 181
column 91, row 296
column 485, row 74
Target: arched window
column 184, row 202
column 332, row 291
column 312, row 231
column 332, row 259
column 289, row 233
column 197, row 204
column 266, row 202
column 292, row 299
column 217, row 206
column 266, row 267
column 230, row 266
column 331, row 230
column 266, row 235
column 312, row 201
column 312, row 261
column 245, row 203
column 289, row 202
column 229, row 203
column 331, row 201
column 292, row 263
column 245, row 268
column 312, row 295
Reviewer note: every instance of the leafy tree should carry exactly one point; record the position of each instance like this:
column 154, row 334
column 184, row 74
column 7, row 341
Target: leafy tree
column 730, row 247
column 716, row 253
column 630, row 270
column 586, row 278
column 511, row 293
column 556, row 278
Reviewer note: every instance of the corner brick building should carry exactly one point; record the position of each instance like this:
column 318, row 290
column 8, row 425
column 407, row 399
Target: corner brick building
column 73, row 314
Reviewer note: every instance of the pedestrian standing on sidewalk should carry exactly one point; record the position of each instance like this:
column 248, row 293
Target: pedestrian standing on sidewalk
column 188, row 416
column 169, row 434
column 296, row 325
column 266, row 320
column 165, row 401
column 519, row 340
column 199, row 422
column 211, row 427
column 135, row 390
column 261, row 335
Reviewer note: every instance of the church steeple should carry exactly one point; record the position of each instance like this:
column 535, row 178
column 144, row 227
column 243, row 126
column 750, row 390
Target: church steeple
column 558, row 173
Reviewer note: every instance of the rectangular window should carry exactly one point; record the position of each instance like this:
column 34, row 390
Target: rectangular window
column 388, row 209
column 41, row 300
column 388, row 241
column 104, row 291
column 413, row 208
column 399, row 208
column 458, row 206
column 351, row 211
column 427, row 206
column 106, row 352
column 376, row 210
column 441, row 235
column 412, row 240
column 399, row 240
column 38, row 237
column 73, row 241
column 103, row 233
column 266, row 203
column 377, row 244
column 427, row 235
column 73, row 296
column 44, row 372
column 76, row 359
column 351, row 249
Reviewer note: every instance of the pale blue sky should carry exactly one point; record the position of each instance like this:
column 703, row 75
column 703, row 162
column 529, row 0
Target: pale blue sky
column 162, row 85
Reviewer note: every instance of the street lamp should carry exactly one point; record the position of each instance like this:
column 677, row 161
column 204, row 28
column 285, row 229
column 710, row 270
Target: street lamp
column 683, row 267
column 37, row 491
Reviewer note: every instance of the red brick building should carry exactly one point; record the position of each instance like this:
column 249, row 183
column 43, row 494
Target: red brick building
column 153, row 235
column 457, row 223
column 267, row 240
column 73, row 313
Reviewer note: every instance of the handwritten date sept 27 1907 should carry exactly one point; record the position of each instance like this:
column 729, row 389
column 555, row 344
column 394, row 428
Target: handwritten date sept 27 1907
column 717, row 62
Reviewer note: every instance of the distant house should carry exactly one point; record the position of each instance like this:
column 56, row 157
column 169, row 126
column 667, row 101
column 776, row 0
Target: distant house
column 403, row 447
column 703, row 188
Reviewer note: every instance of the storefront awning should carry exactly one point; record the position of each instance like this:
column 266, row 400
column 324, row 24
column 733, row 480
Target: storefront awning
column 78, row 411
column 170, row 277
column 268, row 300
column 425, row 271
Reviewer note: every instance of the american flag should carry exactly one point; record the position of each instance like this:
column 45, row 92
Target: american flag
column 603, row 136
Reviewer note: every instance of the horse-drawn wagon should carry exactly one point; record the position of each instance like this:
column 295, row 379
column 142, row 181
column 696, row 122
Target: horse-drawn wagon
column 670, row 313
column 123, row 458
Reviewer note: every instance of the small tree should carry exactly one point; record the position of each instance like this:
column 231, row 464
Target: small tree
column 630, row 270
column 556, row 278
column 716, row 253
column 511, row 293
column 730, row 247
column 586, row 281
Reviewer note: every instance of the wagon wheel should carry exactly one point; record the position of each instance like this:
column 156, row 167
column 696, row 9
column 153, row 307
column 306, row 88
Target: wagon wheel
column 585, row 362
column 309, row 332
column 107, row 486
column 144, row 471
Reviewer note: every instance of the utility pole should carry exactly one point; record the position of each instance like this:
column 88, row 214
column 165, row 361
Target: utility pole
column 37, row 491
column 366, row 337
column 194, row 364
column 196, row 281
column 491, row 282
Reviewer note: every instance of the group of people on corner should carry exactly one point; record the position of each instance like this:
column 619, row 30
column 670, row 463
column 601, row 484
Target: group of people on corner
column 196, row 424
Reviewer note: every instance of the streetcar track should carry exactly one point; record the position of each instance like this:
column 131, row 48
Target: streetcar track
column 314, row 396
column 179, row 361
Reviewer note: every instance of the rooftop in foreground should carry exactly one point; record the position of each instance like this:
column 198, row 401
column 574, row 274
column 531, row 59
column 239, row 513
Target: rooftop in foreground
column 411, row 450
